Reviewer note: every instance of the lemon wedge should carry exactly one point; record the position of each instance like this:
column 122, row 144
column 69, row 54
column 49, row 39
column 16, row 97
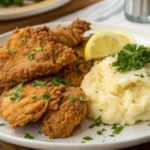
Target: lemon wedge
column 105, row 42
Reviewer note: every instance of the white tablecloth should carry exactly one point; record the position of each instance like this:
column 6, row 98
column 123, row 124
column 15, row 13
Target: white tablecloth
column 106, row 11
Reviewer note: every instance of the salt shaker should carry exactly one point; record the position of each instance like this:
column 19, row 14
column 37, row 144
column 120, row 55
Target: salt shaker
column 137, row 10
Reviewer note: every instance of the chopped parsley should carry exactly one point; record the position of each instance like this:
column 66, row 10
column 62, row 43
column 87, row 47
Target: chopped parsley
column 45, row 96
column 24, row 40
column 39, row 83
column 100, row 132
column 139, row 75
column 87, row 138
column 112, row 135
column 96, row 91
column 37, row 48
column 16, row 93
column 97, row 122
column 58, row 80
column 82, row 99
column 71, row 98
column 117, row 129
column 30, row 56
column 28, row 136
column 148, row 124
column 100, row 110
column 10, row 51
column 83, row 142
column 2, row 124
column 132, row 57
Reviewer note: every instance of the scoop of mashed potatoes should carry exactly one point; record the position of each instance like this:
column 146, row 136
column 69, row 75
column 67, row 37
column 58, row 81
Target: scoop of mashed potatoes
column 119, row 98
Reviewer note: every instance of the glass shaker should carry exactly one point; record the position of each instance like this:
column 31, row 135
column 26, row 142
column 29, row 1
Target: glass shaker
column 137, row 10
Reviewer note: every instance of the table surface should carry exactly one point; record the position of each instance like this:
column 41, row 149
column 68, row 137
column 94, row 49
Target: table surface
column 43, row 18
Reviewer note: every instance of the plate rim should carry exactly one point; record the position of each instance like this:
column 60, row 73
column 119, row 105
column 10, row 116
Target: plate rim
column 31, row 10
column 58, row 145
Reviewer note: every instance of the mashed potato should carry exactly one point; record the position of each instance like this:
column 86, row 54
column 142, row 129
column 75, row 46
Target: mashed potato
column 120, row 98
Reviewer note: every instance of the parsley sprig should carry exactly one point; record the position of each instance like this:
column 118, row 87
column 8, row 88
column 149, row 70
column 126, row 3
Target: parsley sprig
column 132, row 57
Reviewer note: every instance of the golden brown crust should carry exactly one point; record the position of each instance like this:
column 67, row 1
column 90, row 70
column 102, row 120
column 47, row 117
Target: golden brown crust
column 16, row 67
column 62, row 122
column 28, row 109
column 76, row 71
column 72, row 34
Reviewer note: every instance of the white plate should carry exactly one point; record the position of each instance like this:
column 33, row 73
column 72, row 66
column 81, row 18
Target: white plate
column 131, row 135
column 15, row 12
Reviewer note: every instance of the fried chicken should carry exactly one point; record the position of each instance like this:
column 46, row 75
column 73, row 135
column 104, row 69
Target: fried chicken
column 30, row 106
column 37, row 55
column 72, row 110
column 76, row 71
column 34, row 52
column 72, row 34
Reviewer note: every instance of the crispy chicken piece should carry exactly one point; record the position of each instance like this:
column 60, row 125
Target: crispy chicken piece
column 32, row 104
column 72, row 110
column 30, row 53
column 76, row 71
column 72, row 34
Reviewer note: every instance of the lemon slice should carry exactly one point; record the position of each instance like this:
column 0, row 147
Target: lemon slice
column 125, row 36
column 105, row 42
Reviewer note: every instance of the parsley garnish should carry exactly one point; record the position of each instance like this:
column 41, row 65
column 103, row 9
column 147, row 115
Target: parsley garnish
column 71, row 98
column 39, row 83
column 2, row 124
column 97, row 122
column 10, row 51
column 30, row 56
column 148, row 124
column 96, row 91
column 100, row 132
column 58, row 80
column 83, row 142
column 132, row 57
column 37, row 48
column 112, row 135
column 24, row 40
column 139, row 75
column 112, row 55
column 87, row 138
column 16, row 93
column 116, row 129
column 82, row 99
column 45, row 96
column 28, row 136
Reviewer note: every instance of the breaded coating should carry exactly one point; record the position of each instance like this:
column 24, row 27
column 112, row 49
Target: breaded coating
column 76, row 71
column 31, row 53
column 72, row 34
column 72, row 110
column 30, row 106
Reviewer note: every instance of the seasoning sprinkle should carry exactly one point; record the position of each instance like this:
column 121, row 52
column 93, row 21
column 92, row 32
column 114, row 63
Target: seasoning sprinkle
column 37, row 48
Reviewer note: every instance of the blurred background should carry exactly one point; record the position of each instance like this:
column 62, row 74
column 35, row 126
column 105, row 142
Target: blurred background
column 21, row 13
